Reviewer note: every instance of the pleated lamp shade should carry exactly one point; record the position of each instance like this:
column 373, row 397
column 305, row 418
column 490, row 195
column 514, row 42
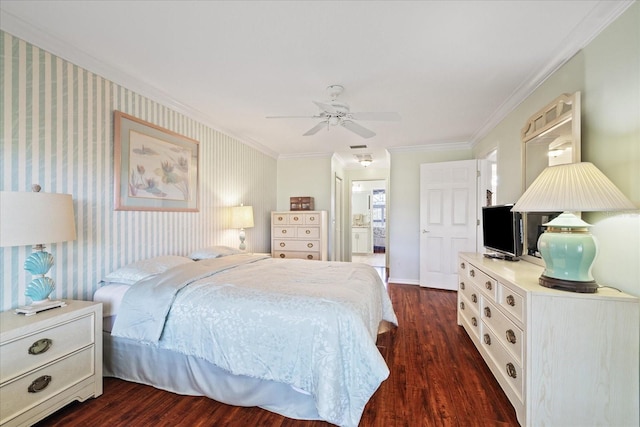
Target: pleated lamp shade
column 575, row 187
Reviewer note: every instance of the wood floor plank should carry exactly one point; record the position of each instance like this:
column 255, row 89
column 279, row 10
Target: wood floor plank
column 437, row 379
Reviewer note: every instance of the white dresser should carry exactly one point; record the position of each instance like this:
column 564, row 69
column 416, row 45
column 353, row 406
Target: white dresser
column 299, row 234
column 49, row 360
column 562, row 358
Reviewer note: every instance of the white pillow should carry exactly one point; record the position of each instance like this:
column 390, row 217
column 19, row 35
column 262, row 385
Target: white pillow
column 134, row 272
column 213, row 252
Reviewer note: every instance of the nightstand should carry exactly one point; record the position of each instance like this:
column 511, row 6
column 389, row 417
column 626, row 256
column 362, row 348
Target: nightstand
column 49, row 360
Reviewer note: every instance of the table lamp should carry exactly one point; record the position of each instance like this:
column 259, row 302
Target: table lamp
column 34, row 218
column 242, row 217
column 567, row 247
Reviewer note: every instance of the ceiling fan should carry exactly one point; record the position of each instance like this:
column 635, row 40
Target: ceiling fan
column 338, row 113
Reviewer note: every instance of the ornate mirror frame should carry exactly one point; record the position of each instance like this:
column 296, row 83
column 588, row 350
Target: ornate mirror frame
column 551, row 136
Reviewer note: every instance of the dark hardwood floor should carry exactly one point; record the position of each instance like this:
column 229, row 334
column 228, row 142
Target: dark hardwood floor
column 437, row 379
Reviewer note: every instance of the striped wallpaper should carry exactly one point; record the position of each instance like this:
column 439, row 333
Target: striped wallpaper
column 56, row 121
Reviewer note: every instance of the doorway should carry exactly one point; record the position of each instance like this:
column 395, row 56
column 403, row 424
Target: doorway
column 369, row 222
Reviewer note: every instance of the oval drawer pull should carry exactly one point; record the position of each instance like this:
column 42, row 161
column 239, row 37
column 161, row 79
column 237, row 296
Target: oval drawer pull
column 461, row 305
column 474, row 321
column 282, row 255
column 487, row 312
column 39, row 384
column 312, row 218
column 511, row 336
column 295, row 218
column 309, row 256
column 280, row 218
column 472, row 273
column 40, row 346
column 474, row 298
column 309, row 245
column 511, row 370
column 487, row 339
column 284, row 231
column 283, row 244
column 511, row 300
column 462, row 265
column 462, row 285
column 488, row 285
column 307, row 231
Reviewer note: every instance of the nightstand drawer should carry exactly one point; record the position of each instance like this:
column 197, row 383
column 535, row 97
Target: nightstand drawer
column 17, row 356
column 15, row 397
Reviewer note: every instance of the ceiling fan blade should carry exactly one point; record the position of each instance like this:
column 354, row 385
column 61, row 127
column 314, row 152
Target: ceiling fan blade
column 326, row 107
column 356, row 128
column 315, row 129
column 386, row 116
column 293, row 117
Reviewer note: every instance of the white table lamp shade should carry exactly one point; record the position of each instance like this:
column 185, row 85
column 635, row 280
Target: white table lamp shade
column 242, row 217
column 31, row 218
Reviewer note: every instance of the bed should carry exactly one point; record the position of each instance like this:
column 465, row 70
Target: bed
column 291, row 336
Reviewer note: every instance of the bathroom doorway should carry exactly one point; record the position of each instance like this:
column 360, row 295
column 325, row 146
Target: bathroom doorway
column 369, row 222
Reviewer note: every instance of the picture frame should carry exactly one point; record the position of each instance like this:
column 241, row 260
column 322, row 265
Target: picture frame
column 155, row 169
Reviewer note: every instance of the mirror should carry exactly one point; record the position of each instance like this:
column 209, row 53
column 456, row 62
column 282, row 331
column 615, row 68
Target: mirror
column 550, row 137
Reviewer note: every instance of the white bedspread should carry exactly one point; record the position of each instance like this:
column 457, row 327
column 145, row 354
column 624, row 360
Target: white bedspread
column 312, row 325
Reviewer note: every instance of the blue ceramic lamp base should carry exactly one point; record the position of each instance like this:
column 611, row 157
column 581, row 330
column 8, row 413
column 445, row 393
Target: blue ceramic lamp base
column 568, row 250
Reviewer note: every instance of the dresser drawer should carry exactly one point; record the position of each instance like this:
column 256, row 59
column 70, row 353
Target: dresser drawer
column 15, row 397
column 470, row 317
column 280, row 219
column 486, row 284
column 508, row 333
column 314, row 256
column 49, row 344
column 308, row 232
column 312, row 219
column 296, row 245
column 470, row 292
column 505, row 364
column 284, row 232
column 511, row 301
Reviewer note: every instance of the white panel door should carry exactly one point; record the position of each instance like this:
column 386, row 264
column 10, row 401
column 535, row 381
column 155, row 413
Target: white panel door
column 448, row 220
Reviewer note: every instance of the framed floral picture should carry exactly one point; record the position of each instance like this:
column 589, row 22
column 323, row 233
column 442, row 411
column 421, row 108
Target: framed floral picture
column 155, row 169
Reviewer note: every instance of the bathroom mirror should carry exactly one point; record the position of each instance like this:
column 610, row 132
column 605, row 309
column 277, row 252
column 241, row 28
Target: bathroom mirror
column 550, row 137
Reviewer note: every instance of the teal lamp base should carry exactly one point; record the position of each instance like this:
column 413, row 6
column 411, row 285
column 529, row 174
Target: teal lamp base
column 568, row 250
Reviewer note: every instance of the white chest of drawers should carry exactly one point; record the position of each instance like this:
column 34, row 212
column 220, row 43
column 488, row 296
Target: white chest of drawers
column 49, row 360
column 562, row 358
column 299, row 234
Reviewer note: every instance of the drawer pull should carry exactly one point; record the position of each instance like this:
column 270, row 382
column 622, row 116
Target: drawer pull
column 280, row 218
column 39, row 384
column 307, row 231
column 487, row 339
column 472, row 273
column 488, row 285
column 282, row 255
column 511, row 370
column 462, row 265
column 309, row 245
column 283, row 244
column 511, row 300
column 295, row 218
column 474, row 298
column 511, row 336
column 474, row 321
column 309, row 256
column 284, row 231
column 461, row 305
column 312, row 218
column 487, row 312
column 462, row 285
column 40, row 346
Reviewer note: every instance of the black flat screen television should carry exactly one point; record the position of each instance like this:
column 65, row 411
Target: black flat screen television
column 502, row 231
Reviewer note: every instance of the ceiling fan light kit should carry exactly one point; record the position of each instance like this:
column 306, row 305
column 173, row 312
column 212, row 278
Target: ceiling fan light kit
column 338, row 113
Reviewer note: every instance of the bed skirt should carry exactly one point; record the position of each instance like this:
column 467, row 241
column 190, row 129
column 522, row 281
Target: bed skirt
column 187, row 375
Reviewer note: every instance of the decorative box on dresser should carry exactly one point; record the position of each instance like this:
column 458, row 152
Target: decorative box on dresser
column 49, row 360
column 562, row 358
column 299, row 234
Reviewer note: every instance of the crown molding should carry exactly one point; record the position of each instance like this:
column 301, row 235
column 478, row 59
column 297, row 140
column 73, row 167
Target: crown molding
column 600, row 17
column 440, row 146
column 58, row 47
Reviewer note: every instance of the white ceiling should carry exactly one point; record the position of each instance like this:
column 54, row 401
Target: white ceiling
column 452, row 69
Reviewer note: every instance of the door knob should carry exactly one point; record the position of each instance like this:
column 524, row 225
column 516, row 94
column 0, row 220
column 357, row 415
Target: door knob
column 425, row 231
